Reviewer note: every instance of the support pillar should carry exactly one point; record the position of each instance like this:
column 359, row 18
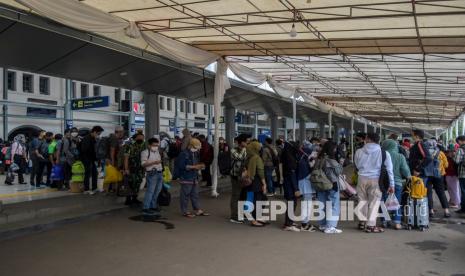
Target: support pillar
column 294, row 117
column 274, row 127
column 132, row 116
column 352, row 121
column 176, row 119
column 456, row 128
column 463, row 125
column 380, row 132
column 322, row 129
column 5, row 107
column 230, row 124
column 209, row 124
column 336, row 133
column 152, row 115
column 330, row 123
column 67, row 111
column 365, row 127
column 302, row 131
column 255, row 127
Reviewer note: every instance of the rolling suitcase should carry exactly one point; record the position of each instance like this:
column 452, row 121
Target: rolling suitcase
column 417, row 214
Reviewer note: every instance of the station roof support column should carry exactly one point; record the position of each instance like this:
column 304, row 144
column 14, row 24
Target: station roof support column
column 274, row 127
column 152, row 115
column 67, row 111
column 330, row 123
column 322, row 129
column 352, row 121
column 230, row 124
column 302, row 131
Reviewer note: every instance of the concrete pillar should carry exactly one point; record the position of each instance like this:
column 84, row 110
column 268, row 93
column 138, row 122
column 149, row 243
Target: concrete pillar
column 132, row 115
column 456, row 128
column 176, row 119
column 5, row 107
column 330, row 123
column 294, row 117
column 302, row 131
column 321, row 125
column 351, row 137
column 381, row 132
column 463, row 125
column 67, row 111
column 365, row 127
column 336, row 133
column 255, row 127
column 274, row 127
column 209, row 124
column 152, row 115
column 230, row 124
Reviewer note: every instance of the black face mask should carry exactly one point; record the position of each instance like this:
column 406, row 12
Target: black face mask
column 139, row 141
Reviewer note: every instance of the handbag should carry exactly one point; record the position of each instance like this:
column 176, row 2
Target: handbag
column 57, row 173
column 392, row 203
column 383, row 176
column 124, row 189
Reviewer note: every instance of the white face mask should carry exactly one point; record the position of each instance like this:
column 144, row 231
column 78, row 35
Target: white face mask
column 74, row 134
column 194, row 150
column 154, row 148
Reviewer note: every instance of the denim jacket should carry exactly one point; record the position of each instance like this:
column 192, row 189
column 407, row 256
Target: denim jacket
column 187, row 158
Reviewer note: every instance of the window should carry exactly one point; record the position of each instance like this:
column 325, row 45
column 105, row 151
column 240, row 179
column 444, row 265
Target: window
column 117, row 95
column 194, row 108
column 168, row 104
column 127, row 95
column 44, row 86
column 28, row 83
column 84, row 90
column 162, row 103
column 11, row 80
column 188, row 107
column 181, row 106
column 73, row 90
column 97, row 91
column 205, row 109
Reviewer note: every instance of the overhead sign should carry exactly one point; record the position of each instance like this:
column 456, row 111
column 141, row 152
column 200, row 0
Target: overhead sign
column 221, row 119
column 92, row 102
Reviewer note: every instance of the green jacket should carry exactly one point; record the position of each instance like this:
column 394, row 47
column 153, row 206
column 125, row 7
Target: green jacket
column 399, row 164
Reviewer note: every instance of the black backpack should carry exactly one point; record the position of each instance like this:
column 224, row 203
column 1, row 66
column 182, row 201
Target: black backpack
column 384, row 182
column 103, row 148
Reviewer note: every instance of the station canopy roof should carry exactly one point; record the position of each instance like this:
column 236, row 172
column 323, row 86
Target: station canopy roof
column 399, row 63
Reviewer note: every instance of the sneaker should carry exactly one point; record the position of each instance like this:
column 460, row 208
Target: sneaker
column 87, row 192
column 92, row 192
column 322, row 228
column 236, row 221
column 332, row 230
column 308, row 228
column 291, row 228
column 147, row 212
column 270, row 195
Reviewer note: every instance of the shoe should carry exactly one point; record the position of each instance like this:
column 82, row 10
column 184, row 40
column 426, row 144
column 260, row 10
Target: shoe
column 454, row 206
column 322, row 228
column 23, row 183
column 87, row 192
column 447, row 215
column 148, row 212
column 92, row 192
column 460, row 211
column 156, row 210
column 332, row 230
column 308, row 228
column 291, row 228
column 236, row 221
column 270, row 195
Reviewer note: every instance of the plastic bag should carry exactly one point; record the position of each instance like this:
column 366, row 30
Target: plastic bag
column 167, row 177
column 392, row 203
column 112, row 175
column 57, row 173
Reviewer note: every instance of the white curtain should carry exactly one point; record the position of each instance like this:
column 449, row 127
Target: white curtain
column 80, row 16
column 246, row 74
column 178, row 51
column 221, row 85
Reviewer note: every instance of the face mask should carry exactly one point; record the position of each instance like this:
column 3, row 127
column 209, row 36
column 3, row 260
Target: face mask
column 154, row 148
column 139, row 141
column 74, row 134
column 48, row 140
column 194, row 150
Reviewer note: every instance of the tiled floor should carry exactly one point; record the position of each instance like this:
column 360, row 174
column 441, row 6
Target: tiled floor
column 19, row 193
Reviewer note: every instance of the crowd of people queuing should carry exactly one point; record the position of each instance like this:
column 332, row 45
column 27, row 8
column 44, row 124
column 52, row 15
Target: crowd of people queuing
column 257, row 171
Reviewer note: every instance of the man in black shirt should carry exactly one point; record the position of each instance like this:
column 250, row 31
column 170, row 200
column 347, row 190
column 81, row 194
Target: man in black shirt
column 89, row 158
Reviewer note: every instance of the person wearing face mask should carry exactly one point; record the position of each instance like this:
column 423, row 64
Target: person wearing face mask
column 186, row 170
column 33, row 149
column 151, row 161
column 69, row 152
column 44, row 161
column 133, row 169
column 89, row 159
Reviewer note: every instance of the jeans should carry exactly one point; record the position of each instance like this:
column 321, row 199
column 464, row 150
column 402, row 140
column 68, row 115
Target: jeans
column 189, row 191
column 396, row 216
column 454, row 190
column 437, row 184
column 462, row 193
column 269, row 179
column 305, row 206
column 91, row 171
column 154, row 184
column 235, row 196
column 331, row 218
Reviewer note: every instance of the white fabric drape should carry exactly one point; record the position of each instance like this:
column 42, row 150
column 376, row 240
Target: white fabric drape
column 246, row 74
column 79, row 15
column 282, row 90
column 221, row 85
column 178, row 51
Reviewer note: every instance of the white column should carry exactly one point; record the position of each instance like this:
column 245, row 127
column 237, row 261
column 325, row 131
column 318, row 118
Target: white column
column 294, row 117
column 255, row 128
column 463, row 125
column 352, row 137
column 365, row 127
column 330, row 123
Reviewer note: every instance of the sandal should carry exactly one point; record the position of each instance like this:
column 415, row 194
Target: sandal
column 361, row 226
column 256, row 224
column 189, row 215
column 202, row 214
column 374, row 229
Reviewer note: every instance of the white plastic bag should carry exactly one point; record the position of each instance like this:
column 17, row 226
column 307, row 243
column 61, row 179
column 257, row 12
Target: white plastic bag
column 392, row 203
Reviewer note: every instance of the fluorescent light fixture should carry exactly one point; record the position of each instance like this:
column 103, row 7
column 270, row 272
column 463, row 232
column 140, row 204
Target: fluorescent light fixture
column 293, row 32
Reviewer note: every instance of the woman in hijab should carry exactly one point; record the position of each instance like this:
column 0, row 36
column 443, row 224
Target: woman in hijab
column 18, row 155
column 256, row 172
column 290, row 161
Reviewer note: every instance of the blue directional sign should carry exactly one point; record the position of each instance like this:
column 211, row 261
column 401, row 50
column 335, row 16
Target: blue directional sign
column 91, row 102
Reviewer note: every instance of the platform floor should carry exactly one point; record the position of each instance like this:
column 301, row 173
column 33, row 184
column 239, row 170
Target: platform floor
column 116, row 245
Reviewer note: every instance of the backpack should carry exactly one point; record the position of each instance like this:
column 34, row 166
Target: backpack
column 384, row 182
column 318, row 177
column 103, row 148
column 416, row 188
column 77, row 171
column 432, row 166
column 173, row 150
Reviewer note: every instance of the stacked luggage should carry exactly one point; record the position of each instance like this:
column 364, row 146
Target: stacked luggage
column 417, row 212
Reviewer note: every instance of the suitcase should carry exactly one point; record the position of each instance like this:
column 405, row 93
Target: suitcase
column 417, row 214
